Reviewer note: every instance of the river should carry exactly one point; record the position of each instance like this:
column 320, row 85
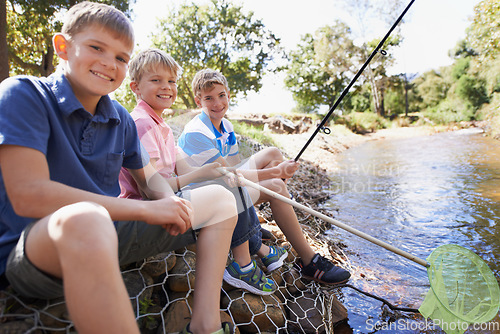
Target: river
column 416, row 194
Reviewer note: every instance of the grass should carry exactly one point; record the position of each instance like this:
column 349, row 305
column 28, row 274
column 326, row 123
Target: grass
column 256, row 133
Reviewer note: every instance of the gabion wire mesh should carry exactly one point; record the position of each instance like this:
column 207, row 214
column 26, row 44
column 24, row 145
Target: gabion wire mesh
column 161, row 293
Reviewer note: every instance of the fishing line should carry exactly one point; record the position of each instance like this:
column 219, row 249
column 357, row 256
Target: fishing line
column 321, row 126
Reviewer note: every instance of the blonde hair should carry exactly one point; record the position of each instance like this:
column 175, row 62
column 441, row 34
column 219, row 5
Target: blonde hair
column 86, row 13
column 206, row 79
column 148, row 60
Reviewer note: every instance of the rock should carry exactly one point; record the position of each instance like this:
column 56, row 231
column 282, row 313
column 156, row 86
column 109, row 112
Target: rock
column 254, row 313
column 18, row 327
column 306, row 313
column 176, row 317
column 56, row 316
column 293, row 282
column 159, row 264
column 139, row 287
column 181, row 277
column 338, row 311
column 279, row 124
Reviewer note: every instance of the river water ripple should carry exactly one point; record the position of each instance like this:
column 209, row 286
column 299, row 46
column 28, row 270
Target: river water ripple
column 416, row 194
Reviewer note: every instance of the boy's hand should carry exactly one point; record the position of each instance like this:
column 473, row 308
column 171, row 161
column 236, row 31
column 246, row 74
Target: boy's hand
column 231, row 176
column 175, row 214
column 287, row 169
column 209, row 171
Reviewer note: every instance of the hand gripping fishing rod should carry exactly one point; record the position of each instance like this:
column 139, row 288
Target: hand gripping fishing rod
column 346, row 90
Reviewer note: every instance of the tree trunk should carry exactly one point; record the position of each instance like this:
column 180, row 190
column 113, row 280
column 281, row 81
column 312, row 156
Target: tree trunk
column 406, row 99
column 4, row 53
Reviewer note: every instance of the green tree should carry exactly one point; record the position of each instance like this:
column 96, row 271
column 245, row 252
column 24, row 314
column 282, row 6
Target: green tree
column 220, row 36
column 431, row 88
column 29, row 27
column 321, row 66
column 472, row 90
column 484, row 32
column 376, row 72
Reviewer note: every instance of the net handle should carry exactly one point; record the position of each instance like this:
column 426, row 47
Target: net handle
column 328, row 219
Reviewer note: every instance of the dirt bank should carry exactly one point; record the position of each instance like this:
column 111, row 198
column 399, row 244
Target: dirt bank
column 323, row 150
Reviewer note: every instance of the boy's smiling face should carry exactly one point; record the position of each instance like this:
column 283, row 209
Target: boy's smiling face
column 96, row 62
column 215, row 102
column 158, row 88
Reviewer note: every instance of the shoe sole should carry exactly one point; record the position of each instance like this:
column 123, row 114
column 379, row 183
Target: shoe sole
column 323, row 282
column 275, row 265
column 237, row 283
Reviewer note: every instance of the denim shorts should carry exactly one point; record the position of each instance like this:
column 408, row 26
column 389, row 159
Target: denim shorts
column 136, row 241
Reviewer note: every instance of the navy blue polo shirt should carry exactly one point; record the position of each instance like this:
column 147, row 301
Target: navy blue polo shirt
column 84, row 151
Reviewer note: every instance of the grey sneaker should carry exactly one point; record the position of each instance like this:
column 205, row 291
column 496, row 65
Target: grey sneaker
column 275, row 258
column 253, row 281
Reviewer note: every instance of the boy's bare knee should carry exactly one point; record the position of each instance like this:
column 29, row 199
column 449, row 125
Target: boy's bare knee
column 227, row 200
column 274, row 153
column 279, row 186
column 82, row 222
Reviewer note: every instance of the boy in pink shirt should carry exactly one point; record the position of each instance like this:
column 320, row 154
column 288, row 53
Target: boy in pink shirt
column 155, row 87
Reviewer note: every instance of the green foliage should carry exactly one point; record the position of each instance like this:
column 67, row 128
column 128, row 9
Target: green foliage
column 460, row 68
column 254, row 132
column 365, row 122
column 30, row 27
column 359, row 101
column 125, row 96
column 449, row 112
column 324, row 63
column 432, row 89
column 471, row 90
column 219, row 36
column 320, row 67
column 483, row 33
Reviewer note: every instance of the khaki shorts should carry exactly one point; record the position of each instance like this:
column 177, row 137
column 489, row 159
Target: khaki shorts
column 136, row 241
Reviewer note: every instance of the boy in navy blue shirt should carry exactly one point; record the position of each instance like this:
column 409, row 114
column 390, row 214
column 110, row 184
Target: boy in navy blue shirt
column 63, row 231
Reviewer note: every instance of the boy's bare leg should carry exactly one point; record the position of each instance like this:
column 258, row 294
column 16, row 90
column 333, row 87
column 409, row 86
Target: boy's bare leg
column 241, row 254
column 285, row 217
column 214, row 211
column 266, row 158
column 79, row 244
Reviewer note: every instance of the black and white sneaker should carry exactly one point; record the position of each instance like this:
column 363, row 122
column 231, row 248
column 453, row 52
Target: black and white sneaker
column 324, row 271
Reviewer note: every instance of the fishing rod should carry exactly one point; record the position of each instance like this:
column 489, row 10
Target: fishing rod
column 346, row 90
column 337, row 223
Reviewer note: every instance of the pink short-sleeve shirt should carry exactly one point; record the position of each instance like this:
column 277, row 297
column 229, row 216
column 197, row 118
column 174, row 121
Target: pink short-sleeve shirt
column 158, row 140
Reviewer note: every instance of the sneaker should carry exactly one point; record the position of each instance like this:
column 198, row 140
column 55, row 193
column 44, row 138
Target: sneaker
column 253, row 281
column 227, row 328
column 275, row 259
column 322, row 270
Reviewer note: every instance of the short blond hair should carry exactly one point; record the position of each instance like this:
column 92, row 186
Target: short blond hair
column 148, row 61
column 86, row 13
column 206, row 79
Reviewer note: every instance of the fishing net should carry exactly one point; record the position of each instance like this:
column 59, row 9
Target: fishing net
column 463, row 289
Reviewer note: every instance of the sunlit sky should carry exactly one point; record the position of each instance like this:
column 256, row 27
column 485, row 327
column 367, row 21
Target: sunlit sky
column 431, row 28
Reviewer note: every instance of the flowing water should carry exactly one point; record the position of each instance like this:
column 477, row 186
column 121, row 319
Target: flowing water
column 416, row 194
